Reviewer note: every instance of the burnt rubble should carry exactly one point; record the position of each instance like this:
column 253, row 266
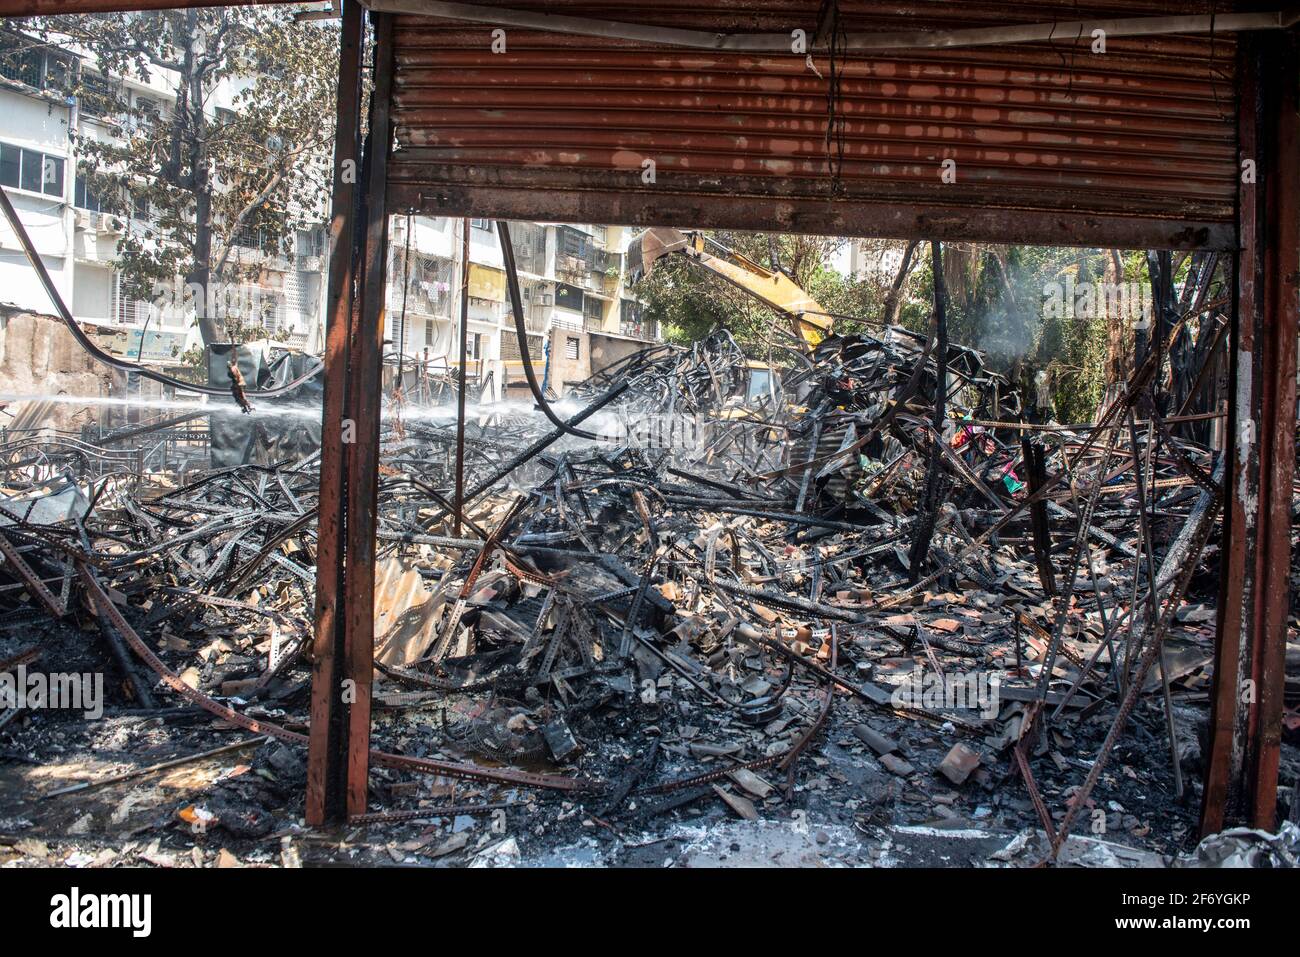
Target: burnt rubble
column 771, row 591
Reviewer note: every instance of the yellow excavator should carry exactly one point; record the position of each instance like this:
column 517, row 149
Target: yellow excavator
column 808, row 320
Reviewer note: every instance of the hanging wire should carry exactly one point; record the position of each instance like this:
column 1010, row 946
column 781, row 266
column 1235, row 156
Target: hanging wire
column 1074, row 50
column 1214, row 86
column 837, row 44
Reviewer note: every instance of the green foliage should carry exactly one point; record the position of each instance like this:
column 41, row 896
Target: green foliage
column 997, row 302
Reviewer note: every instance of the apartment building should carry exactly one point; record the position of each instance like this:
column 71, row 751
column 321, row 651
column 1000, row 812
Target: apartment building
column 77, row 237
column 578, row 312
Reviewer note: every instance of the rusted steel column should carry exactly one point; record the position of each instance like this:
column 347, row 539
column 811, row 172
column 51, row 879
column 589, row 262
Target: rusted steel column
column 364, row 399
column 1246, row 720
column 327, row 751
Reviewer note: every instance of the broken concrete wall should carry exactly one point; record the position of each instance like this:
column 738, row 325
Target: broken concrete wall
column 607, row 350
column 565, row 369
column 39, row 356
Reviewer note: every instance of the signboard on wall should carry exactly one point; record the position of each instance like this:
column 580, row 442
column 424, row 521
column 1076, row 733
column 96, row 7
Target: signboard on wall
column 157, row 346
column 487, row 283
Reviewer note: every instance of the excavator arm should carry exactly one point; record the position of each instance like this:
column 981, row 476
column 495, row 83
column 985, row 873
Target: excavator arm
column 808, row 320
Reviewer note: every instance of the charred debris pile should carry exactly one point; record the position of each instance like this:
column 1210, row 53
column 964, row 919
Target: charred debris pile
column 731, row 587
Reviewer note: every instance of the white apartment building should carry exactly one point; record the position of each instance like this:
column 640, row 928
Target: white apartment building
column 871, row 260
column 77, row 240
column 578, row 312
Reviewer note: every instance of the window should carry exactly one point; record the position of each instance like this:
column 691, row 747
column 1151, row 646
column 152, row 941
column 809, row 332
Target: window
column 31, row 170
column 529, row 240
column 611, row 264
column 568, row 297
column 424, row 286
column 58, row 73
column 632, row 323
column 27, row 61
column 311, row 242
column 250, row 237
column 97, row 96
column 20, row 60
column 149, row 112
column 573, row 243
column 600, row 233
column 83, row 197
column 510, row 347
column 127, row 309
column 572, row 347
column 481, row 224
column 428, row 332
column 10, row 164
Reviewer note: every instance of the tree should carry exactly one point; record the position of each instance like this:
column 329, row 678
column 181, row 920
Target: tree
column 211, row 180
column 998, row 302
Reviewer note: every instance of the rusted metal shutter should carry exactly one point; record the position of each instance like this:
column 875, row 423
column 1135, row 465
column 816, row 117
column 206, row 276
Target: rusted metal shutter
column 1052, row 142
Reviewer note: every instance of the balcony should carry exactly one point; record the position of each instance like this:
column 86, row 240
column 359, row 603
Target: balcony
column 418, row 301
column 644, row 329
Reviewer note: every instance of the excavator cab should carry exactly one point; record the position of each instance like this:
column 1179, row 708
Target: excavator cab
column 763, row 382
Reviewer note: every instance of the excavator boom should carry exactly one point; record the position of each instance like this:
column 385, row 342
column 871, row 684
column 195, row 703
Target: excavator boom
column 809, row 321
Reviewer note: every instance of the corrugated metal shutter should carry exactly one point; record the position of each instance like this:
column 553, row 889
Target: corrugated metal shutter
column 1051, row 142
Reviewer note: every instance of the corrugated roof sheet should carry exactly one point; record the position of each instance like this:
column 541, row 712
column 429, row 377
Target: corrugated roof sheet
column 1130, row 144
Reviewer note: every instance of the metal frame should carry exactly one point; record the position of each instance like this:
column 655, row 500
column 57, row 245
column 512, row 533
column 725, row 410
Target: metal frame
column 1246, row 719
column 1241, row 778
column 327, row 767
column 1241, row 782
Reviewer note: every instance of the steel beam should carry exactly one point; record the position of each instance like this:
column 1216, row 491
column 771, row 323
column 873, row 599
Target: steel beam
column 461, row 377
column 364, row 399
column 327, row 752
column 418, row 183
column 1246, row 718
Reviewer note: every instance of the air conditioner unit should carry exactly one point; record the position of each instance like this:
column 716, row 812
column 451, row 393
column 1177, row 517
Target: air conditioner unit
column 110, row 224
column 545, row 299
column 82, row 219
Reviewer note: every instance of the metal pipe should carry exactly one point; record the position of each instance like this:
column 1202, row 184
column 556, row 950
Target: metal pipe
column 906, row 40
column 460, row 377
column 517, row 309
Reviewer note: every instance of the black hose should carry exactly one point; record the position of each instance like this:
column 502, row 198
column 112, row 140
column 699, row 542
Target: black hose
column 111, row 360
column 517, row 309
